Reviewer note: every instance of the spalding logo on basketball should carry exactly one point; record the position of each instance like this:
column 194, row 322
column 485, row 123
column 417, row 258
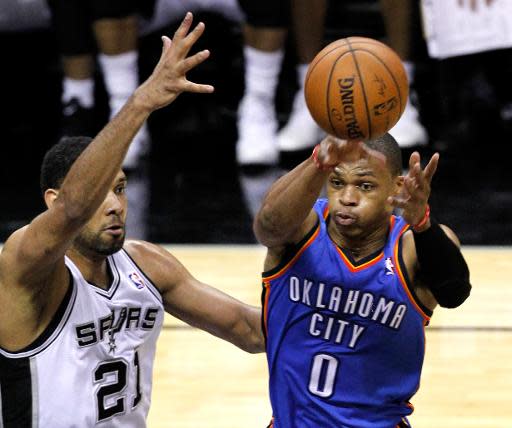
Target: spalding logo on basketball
column 356, row 88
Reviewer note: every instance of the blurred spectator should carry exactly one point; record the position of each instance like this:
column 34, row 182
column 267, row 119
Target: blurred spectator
column 105, row 30
column 267, row 25
column 16, row 15
column 409, row 132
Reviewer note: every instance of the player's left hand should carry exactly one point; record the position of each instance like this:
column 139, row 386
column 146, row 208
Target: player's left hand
column 416, row 189
column 169, row 79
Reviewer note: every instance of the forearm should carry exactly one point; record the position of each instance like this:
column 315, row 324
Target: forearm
column 288, row 203
column 253, row 341
column 90, row 177
column 442, row 266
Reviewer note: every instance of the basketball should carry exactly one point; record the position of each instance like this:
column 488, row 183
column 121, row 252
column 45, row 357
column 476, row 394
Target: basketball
column 356, row 88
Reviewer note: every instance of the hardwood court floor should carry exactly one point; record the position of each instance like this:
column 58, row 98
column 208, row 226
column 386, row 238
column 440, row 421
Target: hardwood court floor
column 201, row 381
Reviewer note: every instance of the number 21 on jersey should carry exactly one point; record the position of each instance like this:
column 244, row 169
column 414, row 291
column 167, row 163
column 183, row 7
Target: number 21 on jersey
column 112, row 376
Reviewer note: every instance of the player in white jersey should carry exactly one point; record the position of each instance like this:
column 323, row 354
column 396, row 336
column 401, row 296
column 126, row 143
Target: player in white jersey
column 81, row 310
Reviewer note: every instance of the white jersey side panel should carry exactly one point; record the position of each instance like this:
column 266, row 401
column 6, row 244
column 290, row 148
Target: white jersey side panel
column 95, row 369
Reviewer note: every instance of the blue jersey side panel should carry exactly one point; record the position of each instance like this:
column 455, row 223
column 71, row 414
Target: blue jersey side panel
column 345, row 341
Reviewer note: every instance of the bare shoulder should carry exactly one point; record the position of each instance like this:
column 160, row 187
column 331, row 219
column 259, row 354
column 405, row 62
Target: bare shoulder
column 276, row 253
column 156, row 262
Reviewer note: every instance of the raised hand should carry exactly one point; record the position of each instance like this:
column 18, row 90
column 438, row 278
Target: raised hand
column 332, row 151
column 168, row 79
column 416, row 190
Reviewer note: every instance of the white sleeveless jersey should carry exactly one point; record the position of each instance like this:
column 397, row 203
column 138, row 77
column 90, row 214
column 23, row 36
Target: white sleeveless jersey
column 92, row 367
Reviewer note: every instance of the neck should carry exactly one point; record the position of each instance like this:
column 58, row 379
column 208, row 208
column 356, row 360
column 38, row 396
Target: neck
column 92, row 267
column 362, row 245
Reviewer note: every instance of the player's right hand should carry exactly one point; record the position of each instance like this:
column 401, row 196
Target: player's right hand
column 332, row 151
column 168, row 79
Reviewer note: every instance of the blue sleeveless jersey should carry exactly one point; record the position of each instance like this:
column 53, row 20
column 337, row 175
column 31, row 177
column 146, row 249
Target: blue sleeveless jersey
column 345, row 340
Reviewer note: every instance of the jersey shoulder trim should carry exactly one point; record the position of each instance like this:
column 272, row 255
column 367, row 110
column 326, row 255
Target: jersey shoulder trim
column 292, row 253
column 51, row 332
column 404, row 278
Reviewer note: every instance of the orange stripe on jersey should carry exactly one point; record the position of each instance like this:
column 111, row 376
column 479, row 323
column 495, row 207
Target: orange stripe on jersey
column 369, row 263
column 392, row 221
column 402, row 278
column 295, row 257
column 326, row 212
column 266, row 284
column 353, row 268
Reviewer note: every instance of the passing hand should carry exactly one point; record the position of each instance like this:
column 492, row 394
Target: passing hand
column 168, row 79
column 332, row 151
column 416, row 190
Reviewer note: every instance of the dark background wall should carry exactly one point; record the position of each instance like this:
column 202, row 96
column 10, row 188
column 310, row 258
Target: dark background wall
column 192, row 190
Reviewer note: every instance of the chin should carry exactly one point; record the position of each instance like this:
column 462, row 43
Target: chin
column 352, row 231
column 107, row 249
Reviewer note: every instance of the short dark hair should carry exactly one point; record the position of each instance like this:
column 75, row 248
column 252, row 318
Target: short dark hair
column 58, row 160
column 388, row 146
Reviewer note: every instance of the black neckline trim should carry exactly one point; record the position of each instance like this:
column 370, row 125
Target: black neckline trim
column 291, row 250
column 347, row 252
column 111, row 279
column 362, row 261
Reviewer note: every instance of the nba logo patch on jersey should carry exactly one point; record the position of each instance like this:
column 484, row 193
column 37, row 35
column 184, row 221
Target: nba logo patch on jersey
column 390, row 267
column 137, row 280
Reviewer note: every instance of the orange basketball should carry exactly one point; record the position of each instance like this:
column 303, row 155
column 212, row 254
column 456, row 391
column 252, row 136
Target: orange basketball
column 356, row 88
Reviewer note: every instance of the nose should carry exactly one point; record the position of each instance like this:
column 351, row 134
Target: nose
column 114, row 204
column 348, row 195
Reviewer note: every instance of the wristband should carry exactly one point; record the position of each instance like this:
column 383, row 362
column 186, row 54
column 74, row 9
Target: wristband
column 417, row 227
column 317, row 162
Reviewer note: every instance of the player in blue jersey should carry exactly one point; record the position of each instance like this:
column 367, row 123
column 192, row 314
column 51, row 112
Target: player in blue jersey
column 349, row 287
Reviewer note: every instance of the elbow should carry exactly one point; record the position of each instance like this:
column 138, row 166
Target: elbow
column 251, row 338
column 255, row 345
column 267, row 228
column 454, row 294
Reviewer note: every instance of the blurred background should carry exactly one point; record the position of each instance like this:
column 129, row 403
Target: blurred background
column 189, row 186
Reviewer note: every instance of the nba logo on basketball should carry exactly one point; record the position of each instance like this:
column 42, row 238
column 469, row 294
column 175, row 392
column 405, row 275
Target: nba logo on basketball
column 137, row 280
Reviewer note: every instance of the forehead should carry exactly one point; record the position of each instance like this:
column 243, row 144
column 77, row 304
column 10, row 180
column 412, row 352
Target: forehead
column 363, row 166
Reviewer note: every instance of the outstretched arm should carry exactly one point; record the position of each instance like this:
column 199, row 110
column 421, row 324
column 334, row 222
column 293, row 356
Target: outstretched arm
column 286, row 213
column 33, row 253
column 33, row 276
column 197, row 303
column 432, row 250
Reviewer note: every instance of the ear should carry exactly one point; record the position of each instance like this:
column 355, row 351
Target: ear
column 49, row 197
column 398, row 184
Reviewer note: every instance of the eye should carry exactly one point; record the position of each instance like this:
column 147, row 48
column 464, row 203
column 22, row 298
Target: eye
column 119, row 190
column 367, row 187
column 336, row 182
